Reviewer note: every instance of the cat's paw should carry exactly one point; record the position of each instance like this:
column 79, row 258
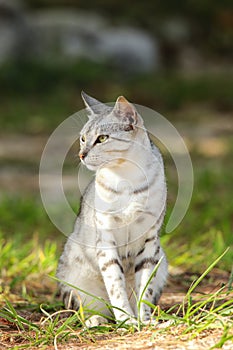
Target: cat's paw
column 95, row 321
column 131, row 321
column 154, row 323
column 150, row 322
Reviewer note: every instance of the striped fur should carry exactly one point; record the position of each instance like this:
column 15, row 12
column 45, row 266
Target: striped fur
column 115, row 243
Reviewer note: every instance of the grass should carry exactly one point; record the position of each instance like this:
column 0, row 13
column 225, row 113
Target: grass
column 36, row 96
column 191, row 317
column 31, row 316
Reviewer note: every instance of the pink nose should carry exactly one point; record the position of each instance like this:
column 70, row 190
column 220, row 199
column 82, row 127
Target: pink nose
column 82, row 155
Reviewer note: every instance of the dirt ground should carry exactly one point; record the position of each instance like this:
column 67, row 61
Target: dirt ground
column 157, row 336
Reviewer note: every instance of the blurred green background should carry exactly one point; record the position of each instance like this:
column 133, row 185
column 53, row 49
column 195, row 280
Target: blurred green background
column 174, row 57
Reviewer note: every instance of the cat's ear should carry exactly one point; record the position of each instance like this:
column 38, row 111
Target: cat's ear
column 93, row 106
column 126, row 111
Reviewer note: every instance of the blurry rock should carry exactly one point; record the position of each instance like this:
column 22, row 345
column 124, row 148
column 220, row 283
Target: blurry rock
column 72, row 34
column 14, row 32
column 129, row 48
column 65, row 33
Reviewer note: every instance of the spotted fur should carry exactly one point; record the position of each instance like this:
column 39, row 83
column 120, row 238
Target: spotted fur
column 115, row 243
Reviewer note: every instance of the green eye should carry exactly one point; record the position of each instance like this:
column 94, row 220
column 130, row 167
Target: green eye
column 102, row 138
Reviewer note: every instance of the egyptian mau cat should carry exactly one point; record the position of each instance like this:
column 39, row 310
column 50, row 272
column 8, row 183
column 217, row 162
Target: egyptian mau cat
column 115, row 243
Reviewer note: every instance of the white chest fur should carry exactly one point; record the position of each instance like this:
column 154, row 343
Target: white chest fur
column 129, row 200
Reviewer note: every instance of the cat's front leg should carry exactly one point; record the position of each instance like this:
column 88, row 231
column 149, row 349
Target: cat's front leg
column 150, row 256
column 113, row 275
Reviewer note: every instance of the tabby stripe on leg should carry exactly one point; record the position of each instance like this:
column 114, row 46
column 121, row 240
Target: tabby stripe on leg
column 141, row 251
column 150, row 239
column 150, row 291
column 110, row 263
column 106, row 187
column 146, row 186
column 101, row 254
column 141, row 189
column 145, row 263
column 157, row 250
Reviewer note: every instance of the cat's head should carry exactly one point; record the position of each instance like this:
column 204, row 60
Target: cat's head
column 109, row 133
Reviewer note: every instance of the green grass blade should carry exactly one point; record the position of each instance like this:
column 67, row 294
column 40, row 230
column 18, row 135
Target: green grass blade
column 230, row 282
column 196, row 283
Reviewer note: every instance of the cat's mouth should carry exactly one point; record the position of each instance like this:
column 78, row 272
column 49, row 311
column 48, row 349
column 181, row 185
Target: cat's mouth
column 90, row 164
column 94, row 163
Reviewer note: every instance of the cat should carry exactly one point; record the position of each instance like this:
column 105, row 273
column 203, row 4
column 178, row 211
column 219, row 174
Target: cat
column 115, row 244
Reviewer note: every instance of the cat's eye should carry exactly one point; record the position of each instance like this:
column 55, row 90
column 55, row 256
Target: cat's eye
column 101, row 138
column 82, row 138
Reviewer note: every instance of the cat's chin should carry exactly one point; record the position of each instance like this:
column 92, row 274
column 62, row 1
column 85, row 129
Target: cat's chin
column 92, row 167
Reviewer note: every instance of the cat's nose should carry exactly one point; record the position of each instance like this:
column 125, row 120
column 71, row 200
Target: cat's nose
column 82, row 155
